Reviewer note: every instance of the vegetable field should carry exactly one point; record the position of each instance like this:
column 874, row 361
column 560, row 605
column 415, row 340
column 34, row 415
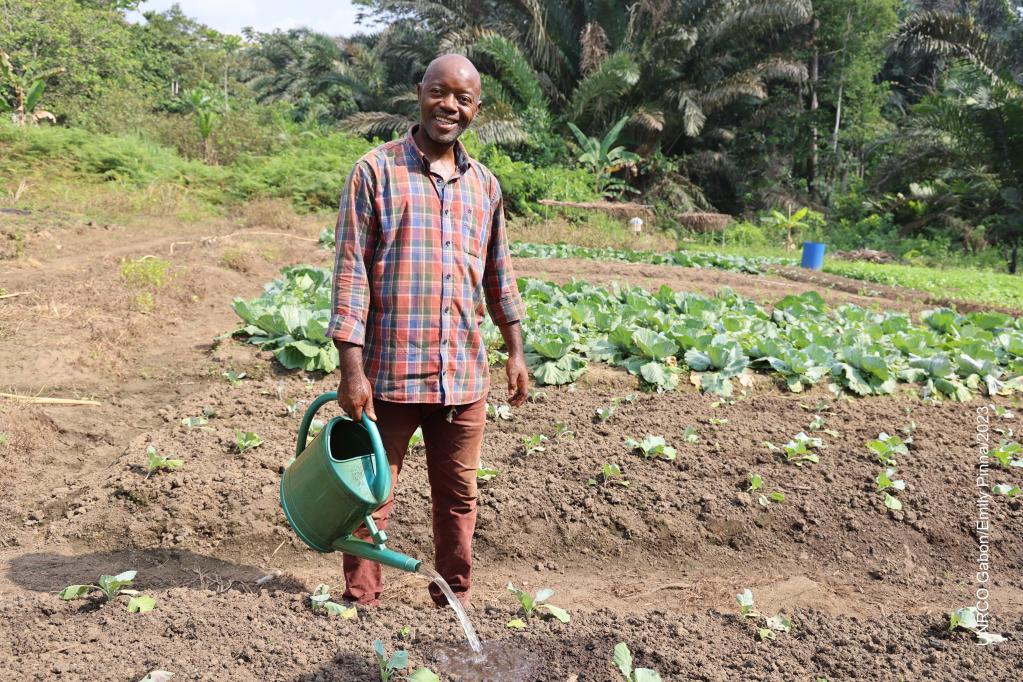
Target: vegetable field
column 720, row 473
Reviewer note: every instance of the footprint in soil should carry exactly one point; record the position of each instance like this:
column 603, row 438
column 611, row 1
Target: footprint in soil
column 157, row 568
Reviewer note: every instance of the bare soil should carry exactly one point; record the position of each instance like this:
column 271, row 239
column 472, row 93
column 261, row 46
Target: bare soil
column 656, row 564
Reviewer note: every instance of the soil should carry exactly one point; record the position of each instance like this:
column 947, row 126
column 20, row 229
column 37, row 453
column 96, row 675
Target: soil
column 656, row 564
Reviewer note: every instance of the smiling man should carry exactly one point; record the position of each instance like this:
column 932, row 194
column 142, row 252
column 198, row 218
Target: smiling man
column 422, row 254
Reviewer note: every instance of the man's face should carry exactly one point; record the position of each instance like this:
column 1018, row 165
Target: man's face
column 448, row 101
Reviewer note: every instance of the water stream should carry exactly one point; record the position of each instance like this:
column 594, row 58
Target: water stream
column 470, row 632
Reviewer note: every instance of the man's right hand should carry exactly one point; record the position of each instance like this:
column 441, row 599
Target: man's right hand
column 354, row 392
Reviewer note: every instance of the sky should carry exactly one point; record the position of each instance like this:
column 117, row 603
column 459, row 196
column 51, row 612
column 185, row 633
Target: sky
column 333, row 17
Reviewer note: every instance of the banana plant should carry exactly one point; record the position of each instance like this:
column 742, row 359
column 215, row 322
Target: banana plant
column 28, row 89
column 604, row 160
column 200, row 104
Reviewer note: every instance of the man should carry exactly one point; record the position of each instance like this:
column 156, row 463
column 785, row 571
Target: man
column 421, row 247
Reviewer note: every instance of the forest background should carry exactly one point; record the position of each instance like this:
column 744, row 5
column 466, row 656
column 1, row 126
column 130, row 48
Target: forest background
column 894, row 125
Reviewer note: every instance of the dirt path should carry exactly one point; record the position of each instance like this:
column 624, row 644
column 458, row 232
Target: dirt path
column 656, row 564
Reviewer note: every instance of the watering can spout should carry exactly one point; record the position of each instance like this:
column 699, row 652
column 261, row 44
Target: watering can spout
column 334, row 485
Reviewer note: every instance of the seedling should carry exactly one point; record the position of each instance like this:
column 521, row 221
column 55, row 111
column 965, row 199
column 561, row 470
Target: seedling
column 234, row 377
column 627, row 399
column 157, row 676
column 746, row 607
column 246, row 440
column 141, row 604
column 534, row 443
column 290, row 406
column 821, row 405
column 908, row 429
column 622, row 659
column 689, row 435
column 405, row 633
column 517, row 624
column 817, row 423
column 111, row 586
column 610, row 474
column 155, row 462
column 3, row 438
column 399, row 661
column 886, row 447
column 319, row 602
column 531, row 603
column 1009, row 491
column 651, row 447
column 499, row 412
column 1003, row 412
column 772, row 625
column 717, row 421
column 1007, row 454
column 604, row 414
column 885, row 481
column 536, row 395
column 892, row 502
column 756, row 483
column 562, row 431
column 967, row 618
column 416, row 440
column 798, row 450
column 485, row 474
column 194, row 422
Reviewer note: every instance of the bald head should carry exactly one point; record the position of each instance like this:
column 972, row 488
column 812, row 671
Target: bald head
column 455, row 65
column 449, row 98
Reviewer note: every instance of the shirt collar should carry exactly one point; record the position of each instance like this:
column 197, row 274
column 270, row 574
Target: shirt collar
column 415, row 154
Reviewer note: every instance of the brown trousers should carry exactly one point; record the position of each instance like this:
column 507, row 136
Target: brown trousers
column 452, row 458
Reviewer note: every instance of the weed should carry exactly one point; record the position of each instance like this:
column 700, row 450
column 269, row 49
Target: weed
column 146, row 272
column 246, row 440
column 156, row 461
column 237, row 260
column 531, row 603
column 652, row 447
column 319, row 602
column 622, row 660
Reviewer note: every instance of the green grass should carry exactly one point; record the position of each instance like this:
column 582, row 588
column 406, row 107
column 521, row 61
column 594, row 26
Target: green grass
column 963, row 284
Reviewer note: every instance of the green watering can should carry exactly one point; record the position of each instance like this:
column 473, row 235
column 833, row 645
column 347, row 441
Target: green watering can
column 334, row 485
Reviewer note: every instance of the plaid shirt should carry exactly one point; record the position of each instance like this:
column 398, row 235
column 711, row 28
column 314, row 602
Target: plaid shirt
column 416, row 258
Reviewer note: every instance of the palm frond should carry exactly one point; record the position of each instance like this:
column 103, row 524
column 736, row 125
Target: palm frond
column 648, row 118
column 947, row 35
column 593, row 41
column 605, row 86
column 497, row 123
column 513, row 68
column 376, row 123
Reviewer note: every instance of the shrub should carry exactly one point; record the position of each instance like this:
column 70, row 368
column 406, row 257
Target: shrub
column 523, row 184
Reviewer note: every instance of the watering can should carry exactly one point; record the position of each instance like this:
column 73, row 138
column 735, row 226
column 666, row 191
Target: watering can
column 334, row 485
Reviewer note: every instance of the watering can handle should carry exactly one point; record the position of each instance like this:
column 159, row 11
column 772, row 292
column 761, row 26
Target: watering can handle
column 382, row 480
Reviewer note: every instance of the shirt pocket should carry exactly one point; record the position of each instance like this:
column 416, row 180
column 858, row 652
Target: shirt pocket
column 475, row 230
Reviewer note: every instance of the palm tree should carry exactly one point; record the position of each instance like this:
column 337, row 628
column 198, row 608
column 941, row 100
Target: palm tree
column 971, row 128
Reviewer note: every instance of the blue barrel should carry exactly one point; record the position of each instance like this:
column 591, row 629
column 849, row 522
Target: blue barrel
column 813, row 255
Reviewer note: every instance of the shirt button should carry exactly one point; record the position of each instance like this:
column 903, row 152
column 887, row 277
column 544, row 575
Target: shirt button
column 447, row 212
column 447, row 276
column 447, row 309
column 444, row 342
column 447, row 243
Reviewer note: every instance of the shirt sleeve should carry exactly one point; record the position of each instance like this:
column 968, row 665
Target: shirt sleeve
column 355, row 236
column 499, row 285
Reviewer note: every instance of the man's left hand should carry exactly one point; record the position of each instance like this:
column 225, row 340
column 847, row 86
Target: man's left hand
column 518, row 380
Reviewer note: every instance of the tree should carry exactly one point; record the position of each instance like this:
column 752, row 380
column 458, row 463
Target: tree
column 28, row 89
column 200, row 104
